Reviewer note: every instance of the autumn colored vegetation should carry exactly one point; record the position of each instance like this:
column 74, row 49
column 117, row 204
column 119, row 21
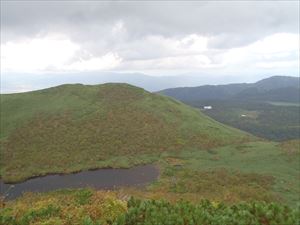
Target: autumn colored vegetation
column 291, row 147
column 63, row 207
column 244, row 172
column 87, row 207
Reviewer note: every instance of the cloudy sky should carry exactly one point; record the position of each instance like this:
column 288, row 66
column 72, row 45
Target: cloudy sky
column 216, row 38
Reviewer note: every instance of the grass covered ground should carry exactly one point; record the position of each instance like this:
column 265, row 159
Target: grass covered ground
column 252, row 171
column 74, row 127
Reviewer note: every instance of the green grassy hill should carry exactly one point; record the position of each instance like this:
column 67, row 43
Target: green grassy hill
column 74, row 127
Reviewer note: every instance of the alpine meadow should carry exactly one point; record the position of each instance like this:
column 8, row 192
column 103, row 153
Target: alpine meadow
column 149, row 113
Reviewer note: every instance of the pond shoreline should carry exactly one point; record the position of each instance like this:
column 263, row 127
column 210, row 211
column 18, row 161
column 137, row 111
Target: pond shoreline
column 103, row 178
column 21, row 180
column 64, row 173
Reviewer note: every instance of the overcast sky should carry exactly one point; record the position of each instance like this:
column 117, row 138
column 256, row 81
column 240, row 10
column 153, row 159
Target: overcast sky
column 158, row 38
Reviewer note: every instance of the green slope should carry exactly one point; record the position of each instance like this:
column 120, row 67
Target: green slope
column 73, row 127
column 260, row 170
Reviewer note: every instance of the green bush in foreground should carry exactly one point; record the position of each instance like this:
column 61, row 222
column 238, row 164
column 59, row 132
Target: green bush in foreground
column 154, row 212
column 184, row 213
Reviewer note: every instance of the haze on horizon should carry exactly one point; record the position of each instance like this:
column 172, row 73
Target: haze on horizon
column 46, row 43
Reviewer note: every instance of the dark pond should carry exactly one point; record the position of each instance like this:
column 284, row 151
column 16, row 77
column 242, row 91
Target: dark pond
column 98, row 179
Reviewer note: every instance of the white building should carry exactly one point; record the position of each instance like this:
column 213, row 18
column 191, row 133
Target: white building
column 207, row 107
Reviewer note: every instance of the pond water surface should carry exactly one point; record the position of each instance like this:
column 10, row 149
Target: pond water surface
column 98, row 179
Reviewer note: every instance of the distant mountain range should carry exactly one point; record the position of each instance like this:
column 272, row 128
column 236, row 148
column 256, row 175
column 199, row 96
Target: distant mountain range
column 276, row 88
column 268, row 108
column 12, row 83
column 17, row 82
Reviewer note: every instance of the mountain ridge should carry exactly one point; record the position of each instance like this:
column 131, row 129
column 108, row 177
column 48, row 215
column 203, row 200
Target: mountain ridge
column 19, row 82
column 237, row 90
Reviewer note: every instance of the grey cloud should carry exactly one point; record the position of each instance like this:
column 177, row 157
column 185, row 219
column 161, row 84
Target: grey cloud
column 233, row 23
column 138, row 32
